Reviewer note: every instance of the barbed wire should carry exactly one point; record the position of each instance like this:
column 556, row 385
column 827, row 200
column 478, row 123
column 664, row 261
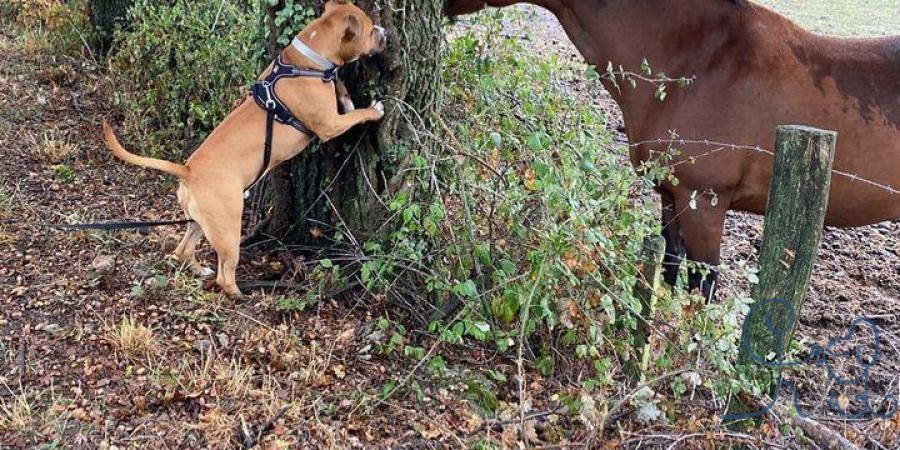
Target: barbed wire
column 726, row 146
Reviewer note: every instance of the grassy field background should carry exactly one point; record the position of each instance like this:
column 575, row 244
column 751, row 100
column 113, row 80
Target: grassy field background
column 842, row 17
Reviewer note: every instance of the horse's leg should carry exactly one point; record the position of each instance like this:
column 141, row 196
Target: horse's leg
column 701, row 228
column 674, row 243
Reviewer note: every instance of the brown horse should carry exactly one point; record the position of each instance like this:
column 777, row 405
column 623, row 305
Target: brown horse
column 753, row 69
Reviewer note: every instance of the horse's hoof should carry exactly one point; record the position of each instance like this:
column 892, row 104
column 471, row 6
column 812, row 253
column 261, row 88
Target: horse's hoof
column 204, row 272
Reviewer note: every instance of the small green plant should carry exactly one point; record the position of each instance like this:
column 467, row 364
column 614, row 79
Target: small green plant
column 325, row 279
column 289, row 304
column 63, row 173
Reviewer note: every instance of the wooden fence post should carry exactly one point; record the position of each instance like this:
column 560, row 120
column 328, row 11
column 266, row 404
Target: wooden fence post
column 652, row 252
column 791, row 232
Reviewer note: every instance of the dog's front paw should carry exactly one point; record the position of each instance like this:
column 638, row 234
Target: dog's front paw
column 378, row 107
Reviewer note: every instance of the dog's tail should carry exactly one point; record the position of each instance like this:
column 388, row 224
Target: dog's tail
column 112, row 142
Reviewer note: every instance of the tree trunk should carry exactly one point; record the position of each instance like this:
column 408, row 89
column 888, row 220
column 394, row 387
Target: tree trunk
column 339, row 186
column 105, row 14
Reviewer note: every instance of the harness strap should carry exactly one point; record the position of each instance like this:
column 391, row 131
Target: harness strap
column 267, row 148
column 263, row 93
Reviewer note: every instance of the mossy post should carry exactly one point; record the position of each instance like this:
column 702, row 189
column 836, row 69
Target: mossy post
column 792, row 230
column 652, row 252
column 341, row 185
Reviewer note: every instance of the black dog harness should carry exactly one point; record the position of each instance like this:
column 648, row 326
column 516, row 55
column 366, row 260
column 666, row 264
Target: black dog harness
column 264, row 93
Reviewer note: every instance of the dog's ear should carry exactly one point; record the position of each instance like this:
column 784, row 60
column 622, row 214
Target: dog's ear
column 354, row 28
column 331, row 3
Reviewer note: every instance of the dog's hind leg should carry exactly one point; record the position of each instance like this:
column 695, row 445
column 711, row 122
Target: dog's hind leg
column 186, row 251
column 222, row 226
column 227, row 243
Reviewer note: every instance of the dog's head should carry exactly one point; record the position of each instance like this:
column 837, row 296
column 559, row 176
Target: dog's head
column 351, row 33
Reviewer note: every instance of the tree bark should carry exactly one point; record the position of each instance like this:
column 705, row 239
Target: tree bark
column 339, row 185
column 105, row 14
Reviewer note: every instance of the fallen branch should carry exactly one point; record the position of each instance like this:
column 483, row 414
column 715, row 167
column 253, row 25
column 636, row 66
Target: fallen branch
column 494, row 423
column 820, row 434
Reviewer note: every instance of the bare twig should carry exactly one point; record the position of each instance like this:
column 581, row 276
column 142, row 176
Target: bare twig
column 523, row 324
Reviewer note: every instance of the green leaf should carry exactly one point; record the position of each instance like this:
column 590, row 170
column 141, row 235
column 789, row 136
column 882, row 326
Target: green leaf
column 387, row 388
column 534, row 142
column 478, row 330
column 496, row 139
column 466, row 289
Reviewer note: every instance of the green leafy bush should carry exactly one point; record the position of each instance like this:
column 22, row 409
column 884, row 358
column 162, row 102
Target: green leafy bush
column 528, row 214
column 290, row 19
column 180, row 67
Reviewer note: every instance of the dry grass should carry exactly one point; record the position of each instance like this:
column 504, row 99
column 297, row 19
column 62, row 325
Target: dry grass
column 226, row 378
column 276, row 347
column 6, row 199
column 233, row 378
column 24, row 413
column 5, row 45
column 238, row 393
column 35, row 41
column 51, row 147
column 218, row 428
column 842, row 17
column 35, row 12
column 133, row 339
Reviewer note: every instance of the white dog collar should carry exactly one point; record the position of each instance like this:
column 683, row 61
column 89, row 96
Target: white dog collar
column 321, row 61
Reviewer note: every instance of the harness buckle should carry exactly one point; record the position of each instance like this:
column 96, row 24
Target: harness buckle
column 270, row 97
column 330, row 74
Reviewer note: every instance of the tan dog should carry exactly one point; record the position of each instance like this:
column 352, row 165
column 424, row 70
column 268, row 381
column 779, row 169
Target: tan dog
column 213, row 179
